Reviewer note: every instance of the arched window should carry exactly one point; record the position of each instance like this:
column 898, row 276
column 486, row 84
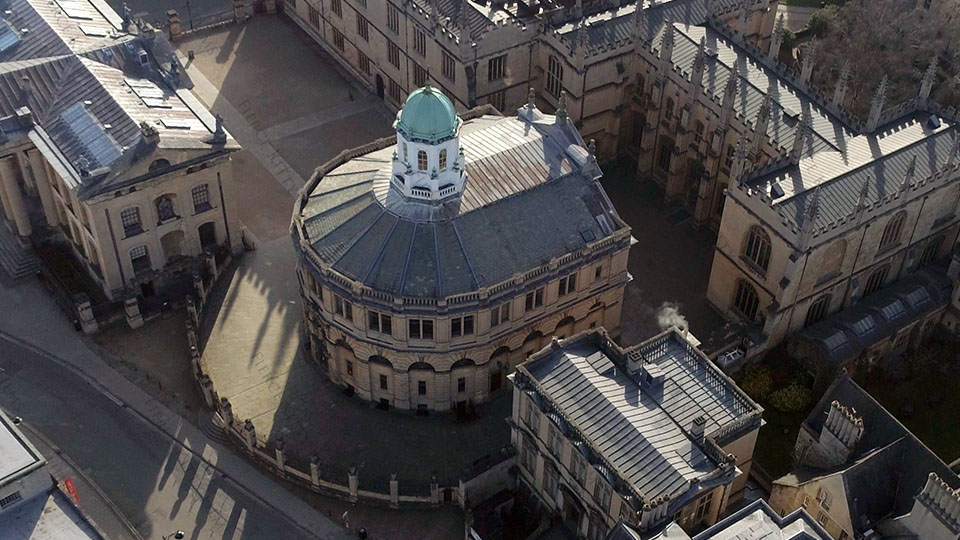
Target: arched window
column 931, row 251
column 139, row 259
column 668, row 110
column 891, row 234
column 756, row 248
column 422, row 160
column 130, row 219
column 876, row 280
column 746, row 300
column 406, row 157
column 832, row 260
column 443, row 159
column 818, row 309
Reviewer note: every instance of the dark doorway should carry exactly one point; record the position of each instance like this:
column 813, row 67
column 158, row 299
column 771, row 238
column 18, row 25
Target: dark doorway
column 208, row 234
column 384, row 404
column 495, row 381
column 447, row 495
column 379, row 86
column 146, row 289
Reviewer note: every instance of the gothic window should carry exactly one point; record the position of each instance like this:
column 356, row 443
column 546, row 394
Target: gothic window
column 893, row 230
column 666, row 152
column 443, row 159
column 931, row 251
column 448, row 67
column 338, row 39
column 130, row 219
column 554, row 76
column 363, row 28
column 337, row 7
column 728, row 159
column 393, row 19
column 314, row 15
column 393, row 54
column 496, row 67
column 876, row 280
column 668, row 109
column 419, row 75
column 602, row 493
column 422, row 160
column 817, row 310
column 363, row 62
column 757, row 247
column 498, row 99
column 201, row 198
column 746, row 300
column 420, row 42
column 698, row 132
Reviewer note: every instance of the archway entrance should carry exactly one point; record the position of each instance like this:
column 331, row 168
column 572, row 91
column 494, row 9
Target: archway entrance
column 379, row 86
column 172, row 244
column 208, row 235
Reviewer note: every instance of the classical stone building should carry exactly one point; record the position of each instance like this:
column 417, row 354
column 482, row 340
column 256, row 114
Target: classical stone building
column 814, row 209
column 103, row 142
column 434, row 262
column 491, row 52
column 642, row 435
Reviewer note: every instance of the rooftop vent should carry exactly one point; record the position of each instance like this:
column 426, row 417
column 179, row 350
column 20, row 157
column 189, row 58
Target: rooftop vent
column 933, row 122
column 711, row 53
column 651, row 377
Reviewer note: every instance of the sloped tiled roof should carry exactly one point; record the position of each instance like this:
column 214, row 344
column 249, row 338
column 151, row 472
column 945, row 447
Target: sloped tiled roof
column 643, row 434
column 85, row 81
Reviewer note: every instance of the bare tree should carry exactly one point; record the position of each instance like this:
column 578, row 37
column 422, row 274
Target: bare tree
column 897, row 38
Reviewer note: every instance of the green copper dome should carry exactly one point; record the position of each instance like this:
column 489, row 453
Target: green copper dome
column 427, row 116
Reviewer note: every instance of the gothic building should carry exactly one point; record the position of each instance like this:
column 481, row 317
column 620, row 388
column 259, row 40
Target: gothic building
column 433, row 262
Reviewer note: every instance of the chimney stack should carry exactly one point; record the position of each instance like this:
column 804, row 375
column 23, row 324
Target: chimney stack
column 697, row 429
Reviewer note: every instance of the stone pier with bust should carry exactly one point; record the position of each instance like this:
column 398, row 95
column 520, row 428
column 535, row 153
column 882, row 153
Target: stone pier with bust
column 432, row 263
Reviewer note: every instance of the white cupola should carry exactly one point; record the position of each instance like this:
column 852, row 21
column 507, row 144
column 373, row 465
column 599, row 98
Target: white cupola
column 428, row 164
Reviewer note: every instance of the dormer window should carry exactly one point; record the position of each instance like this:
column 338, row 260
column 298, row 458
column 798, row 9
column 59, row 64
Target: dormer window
column 422, row 160
column 144, row 58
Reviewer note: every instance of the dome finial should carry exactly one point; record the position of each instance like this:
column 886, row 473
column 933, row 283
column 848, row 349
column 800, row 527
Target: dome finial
column 426, row 87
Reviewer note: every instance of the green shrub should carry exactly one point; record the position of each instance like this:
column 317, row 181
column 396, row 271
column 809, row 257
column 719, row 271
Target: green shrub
column 792, row 398
column 757, row 381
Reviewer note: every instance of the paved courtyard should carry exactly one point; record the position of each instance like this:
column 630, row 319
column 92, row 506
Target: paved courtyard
column 292, row 111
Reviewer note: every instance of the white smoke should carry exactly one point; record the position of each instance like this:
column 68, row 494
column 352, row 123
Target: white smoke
column 668, row 314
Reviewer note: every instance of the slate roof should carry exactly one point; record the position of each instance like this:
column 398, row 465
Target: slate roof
column 531, row 195
column 888, row 467
column 844, row 335
column 479, row 18
column 80, row 74
column 643, row 433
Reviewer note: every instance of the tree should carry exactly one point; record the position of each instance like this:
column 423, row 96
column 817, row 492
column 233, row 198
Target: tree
column 896, row 38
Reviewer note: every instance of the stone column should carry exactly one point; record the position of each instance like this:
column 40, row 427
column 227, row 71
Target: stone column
column 173, row 24
column 132, row 309
column 434, row 491
column 394, row 491
column 353, row 482
column 85, row 313
column 226, row 412
column 14, row 197
column 250, row 434
column 40, row 178
column 206, row 387
column 281, row 459
column 315, row 471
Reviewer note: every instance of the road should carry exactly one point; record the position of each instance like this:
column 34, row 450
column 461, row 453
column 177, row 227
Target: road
column 154, row 481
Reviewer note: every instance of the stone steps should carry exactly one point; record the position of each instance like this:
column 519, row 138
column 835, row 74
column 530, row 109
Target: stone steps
column 211, row 425
column 19, row 261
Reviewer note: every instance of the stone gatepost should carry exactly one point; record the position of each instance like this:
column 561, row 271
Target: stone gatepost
column 239, row 10
column 353, row 483
column 211, row 262
column 132, row 309
column 192, row 310
column 434, row 491
column 281, row 459
column 249, row 434
column 226, row 412
column 194, row 353
column 88, row 322
column 315, row 471
column 206, row 387
column 173, row 25
column 199, row 288
column 394, row 491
